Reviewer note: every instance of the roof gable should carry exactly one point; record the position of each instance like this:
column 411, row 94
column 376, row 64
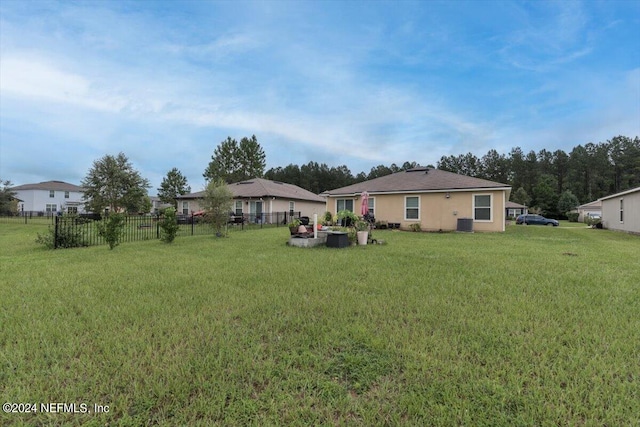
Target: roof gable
column 259, row 187
column 418, row 180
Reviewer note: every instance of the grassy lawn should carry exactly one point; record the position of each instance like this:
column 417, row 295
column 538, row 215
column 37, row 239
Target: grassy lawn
column 536, row 326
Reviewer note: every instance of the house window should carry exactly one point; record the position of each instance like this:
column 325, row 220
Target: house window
column 238, row 207
column 621, row 210
column 52, row 193
column 372, row 206
column 292, row 207
column 66, row 194
column 72, row 210
column 412, row 207
column 482, row 207
column 344, row 204
column 185, row 208
column 51, row 207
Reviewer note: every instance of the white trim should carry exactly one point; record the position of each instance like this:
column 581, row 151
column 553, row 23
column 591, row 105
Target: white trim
column 504, row 203
column 473, row 207
column 624, row 193
column 405, row 208
column 621, row 210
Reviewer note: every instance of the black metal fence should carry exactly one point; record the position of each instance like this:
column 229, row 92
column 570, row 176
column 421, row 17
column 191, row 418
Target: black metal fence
column 82, row 230
column 37, row 217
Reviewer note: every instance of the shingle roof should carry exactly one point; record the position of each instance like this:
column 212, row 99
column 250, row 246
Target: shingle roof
column 416, row 180
column 513, row 205
column 258, row 187
column 49, row 185
column 594, row 204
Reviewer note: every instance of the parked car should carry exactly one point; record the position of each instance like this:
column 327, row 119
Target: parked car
column 532, row 219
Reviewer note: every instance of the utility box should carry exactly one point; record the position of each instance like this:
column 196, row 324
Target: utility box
column 465, row 225
column 337, row 240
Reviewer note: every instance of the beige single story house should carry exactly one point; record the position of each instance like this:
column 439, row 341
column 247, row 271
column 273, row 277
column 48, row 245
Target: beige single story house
column 262, row 200
column 591, row 208
column 433, row 198
column 621, row 211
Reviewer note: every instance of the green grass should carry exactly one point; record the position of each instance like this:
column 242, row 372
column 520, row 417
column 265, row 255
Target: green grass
column 535, row 326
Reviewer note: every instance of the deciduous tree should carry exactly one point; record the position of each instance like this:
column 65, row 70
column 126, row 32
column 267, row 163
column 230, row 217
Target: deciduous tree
column 217, row 202
column 7, row 198
column 113, row 183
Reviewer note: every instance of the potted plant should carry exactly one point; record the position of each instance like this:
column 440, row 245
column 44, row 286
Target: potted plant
column 327, row 219
column 346, row 218
column 362, row 231
column 294, row 224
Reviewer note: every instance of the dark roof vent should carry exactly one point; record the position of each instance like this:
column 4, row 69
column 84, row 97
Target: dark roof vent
column 418, row 169
column 245, row 182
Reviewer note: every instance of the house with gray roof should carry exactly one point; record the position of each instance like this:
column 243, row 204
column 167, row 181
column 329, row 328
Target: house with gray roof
column 50, row 197
column 514, row 209
column 433, row 198
column 259, row 199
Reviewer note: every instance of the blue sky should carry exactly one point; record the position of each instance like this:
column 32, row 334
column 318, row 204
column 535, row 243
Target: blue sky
column 336, row 82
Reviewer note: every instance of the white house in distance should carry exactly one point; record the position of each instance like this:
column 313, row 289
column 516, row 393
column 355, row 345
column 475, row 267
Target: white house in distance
column 621, row 211
column 50, row 197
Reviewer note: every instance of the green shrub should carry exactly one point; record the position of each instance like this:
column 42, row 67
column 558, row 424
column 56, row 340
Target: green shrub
column 572, row 216
column 415, row 227
column 327, row 218
column 169, row 225
column 70, row 234
column 111, row 229
column 591, row 221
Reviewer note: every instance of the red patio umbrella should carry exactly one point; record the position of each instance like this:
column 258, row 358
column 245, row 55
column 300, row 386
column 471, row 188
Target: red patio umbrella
column 364, row 207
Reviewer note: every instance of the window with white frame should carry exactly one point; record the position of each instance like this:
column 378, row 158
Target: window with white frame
column 621, row 210
column 372, row 206
column 344, row 204
column 412, row 207
column 238, row 207
column 292, row 207
column 482, row 207
column 72, row 209
column 66, row 194
column 185, row 208
column 51, row 207
column 52, row 194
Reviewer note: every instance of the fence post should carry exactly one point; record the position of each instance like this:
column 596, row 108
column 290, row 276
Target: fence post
column 55, row 234
column 192, row 224
column 157, row 225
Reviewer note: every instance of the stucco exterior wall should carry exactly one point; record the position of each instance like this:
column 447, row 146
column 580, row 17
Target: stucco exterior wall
column 436, row 210
column 631, row 212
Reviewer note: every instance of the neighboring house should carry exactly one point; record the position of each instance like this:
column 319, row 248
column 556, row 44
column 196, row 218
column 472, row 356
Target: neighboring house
column 514, row 209
column 621, row 211
column 50, row 197
column 591, row 208
column 259, row 199
column 433, row 198
column 157, row 205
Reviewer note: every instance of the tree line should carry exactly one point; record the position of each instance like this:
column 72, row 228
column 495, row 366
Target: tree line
column 541, row 179
column 552, row 182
